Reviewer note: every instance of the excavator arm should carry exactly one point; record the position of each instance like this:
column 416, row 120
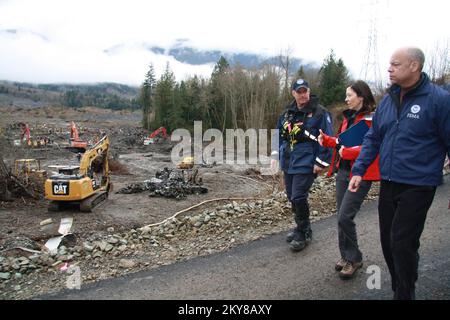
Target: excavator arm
column 73, row 131
column 25, row 132
column 75, row 141
column 99, row 152
column 158, row 131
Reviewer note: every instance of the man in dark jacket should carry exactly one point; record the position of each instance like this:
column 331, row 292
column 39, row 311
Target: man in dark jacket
column 300, row 155
column 411, row 132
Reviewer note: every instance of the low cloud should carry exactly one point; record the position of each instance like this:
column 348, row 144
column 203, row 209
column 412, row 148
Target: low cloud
column 28, row 56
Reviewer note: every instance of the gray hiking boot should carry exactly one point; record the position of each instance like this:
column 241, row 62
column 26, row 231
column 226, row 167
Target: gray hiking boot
column 298, row 243
column 291, row 235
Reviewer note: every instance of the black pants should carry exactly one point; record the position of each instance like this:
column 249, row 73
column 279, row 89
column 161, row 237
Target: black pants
column 298, row 185
column 402, row 212
column 297, row 190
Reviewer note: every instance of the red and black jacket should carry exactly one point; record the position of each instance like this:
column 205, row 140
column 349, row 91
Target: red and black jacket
column 351, row 153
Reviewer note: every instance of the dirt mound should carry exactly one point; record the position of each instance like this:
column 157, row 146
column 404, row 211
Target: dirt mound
column 118, row 168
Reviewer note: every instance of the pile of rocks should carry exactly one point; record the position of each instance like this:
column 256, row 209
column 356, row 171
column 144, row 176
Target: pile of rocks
column 234, row 216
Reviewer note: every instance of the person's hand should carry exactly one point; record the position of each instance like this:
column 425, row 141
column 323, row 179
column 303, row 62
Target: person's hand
column 320, row 137
column 317, row 169
column 354, row 183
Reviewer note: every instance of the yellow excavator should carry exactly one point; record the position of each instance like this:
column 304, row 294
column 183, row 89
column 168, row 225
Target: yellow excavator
column 87, row 184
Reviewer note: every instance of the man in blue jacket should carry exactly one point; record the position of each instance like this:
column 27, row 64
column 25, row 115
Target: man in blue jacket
column 300, row 155
column 411, row 132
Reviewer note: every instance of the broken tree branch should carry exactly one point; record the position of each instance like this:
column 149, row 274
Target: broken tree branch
column 25, row 189
column 195, row 206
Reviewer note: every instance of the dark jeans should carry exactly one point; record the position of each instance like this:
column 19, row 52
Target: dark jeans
column 348, row 205
column 402, row 211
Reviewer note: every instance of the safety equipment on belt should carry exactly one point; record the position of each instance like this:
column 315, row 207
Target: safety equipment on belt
column 295, row 132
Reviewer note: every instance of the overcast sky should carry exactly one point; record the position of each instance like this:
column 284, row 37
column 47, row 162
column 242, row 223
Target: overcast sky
column 63, row 40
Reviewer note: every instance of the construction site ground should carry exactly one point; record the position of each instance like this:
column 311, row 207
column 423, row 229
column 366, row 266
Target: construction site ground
column 27, row 274
column 137, row 164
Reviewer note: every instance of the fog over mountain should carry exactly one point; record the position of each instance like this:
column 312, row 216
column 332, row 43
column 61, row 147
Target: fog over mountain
column 125, row 62
column 183, row 52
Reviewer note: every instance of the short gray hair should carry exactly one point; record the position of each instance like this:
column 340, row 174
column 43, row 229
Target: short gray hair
column 417, row 55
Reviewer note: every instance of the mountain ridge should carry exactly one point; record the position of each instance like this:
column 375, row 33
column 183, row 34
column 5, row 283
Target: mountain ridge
column 189, row 54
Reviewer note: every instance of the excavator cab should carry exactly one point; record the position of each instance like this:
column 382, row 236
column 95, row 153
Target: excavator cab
column 67, row 171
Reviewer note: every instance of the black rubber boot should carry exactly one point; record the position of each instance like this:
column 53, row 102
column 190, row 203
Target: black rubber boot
column 290, row 235
column 304, row 234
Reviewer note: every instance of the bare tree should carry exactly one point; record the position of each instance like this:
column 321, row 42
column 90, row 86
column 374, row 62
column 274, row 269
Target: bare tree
column 285, row 64
column 252, row 96
column 438, row 63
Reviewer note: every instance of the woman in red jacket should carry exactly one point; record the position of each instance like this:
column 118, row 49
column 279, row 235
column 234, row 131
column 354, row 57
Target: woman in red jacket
column 360, row 102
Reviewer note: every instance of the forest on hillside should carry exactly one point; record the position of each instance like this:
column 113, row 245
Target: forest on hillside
column 234, row 96
column 237, row 97
column 103, row 95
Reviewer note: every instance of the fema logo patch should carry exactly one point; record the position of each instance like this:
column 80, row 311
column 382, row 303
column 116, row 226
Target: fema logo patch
column 415, row 108
column 300, row 81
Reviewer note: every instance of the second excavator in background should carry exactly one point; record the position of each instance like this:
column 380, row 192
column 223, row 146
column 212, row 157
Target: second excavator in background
column 161, row 131
column 76, row 143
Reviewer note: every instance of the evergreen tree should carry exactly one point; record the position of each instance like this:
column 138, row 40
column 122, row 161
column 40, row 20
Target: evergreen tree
column 221, row 66
column 300, row 74
column 164, row 102
column 146, row 97
column 179, row 116
column 219, row 115
column 193, row 87
column 333, row 80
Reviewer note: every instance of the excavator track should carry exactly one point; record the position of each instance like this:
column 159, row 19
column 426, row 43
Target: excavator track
column 93, row 201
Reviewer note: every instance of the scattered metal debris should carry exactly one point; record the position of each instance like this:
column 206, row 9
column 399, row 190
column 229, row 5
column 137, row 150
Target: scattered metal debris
column 64, row 229
column 22, row 243
column 45, row 222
